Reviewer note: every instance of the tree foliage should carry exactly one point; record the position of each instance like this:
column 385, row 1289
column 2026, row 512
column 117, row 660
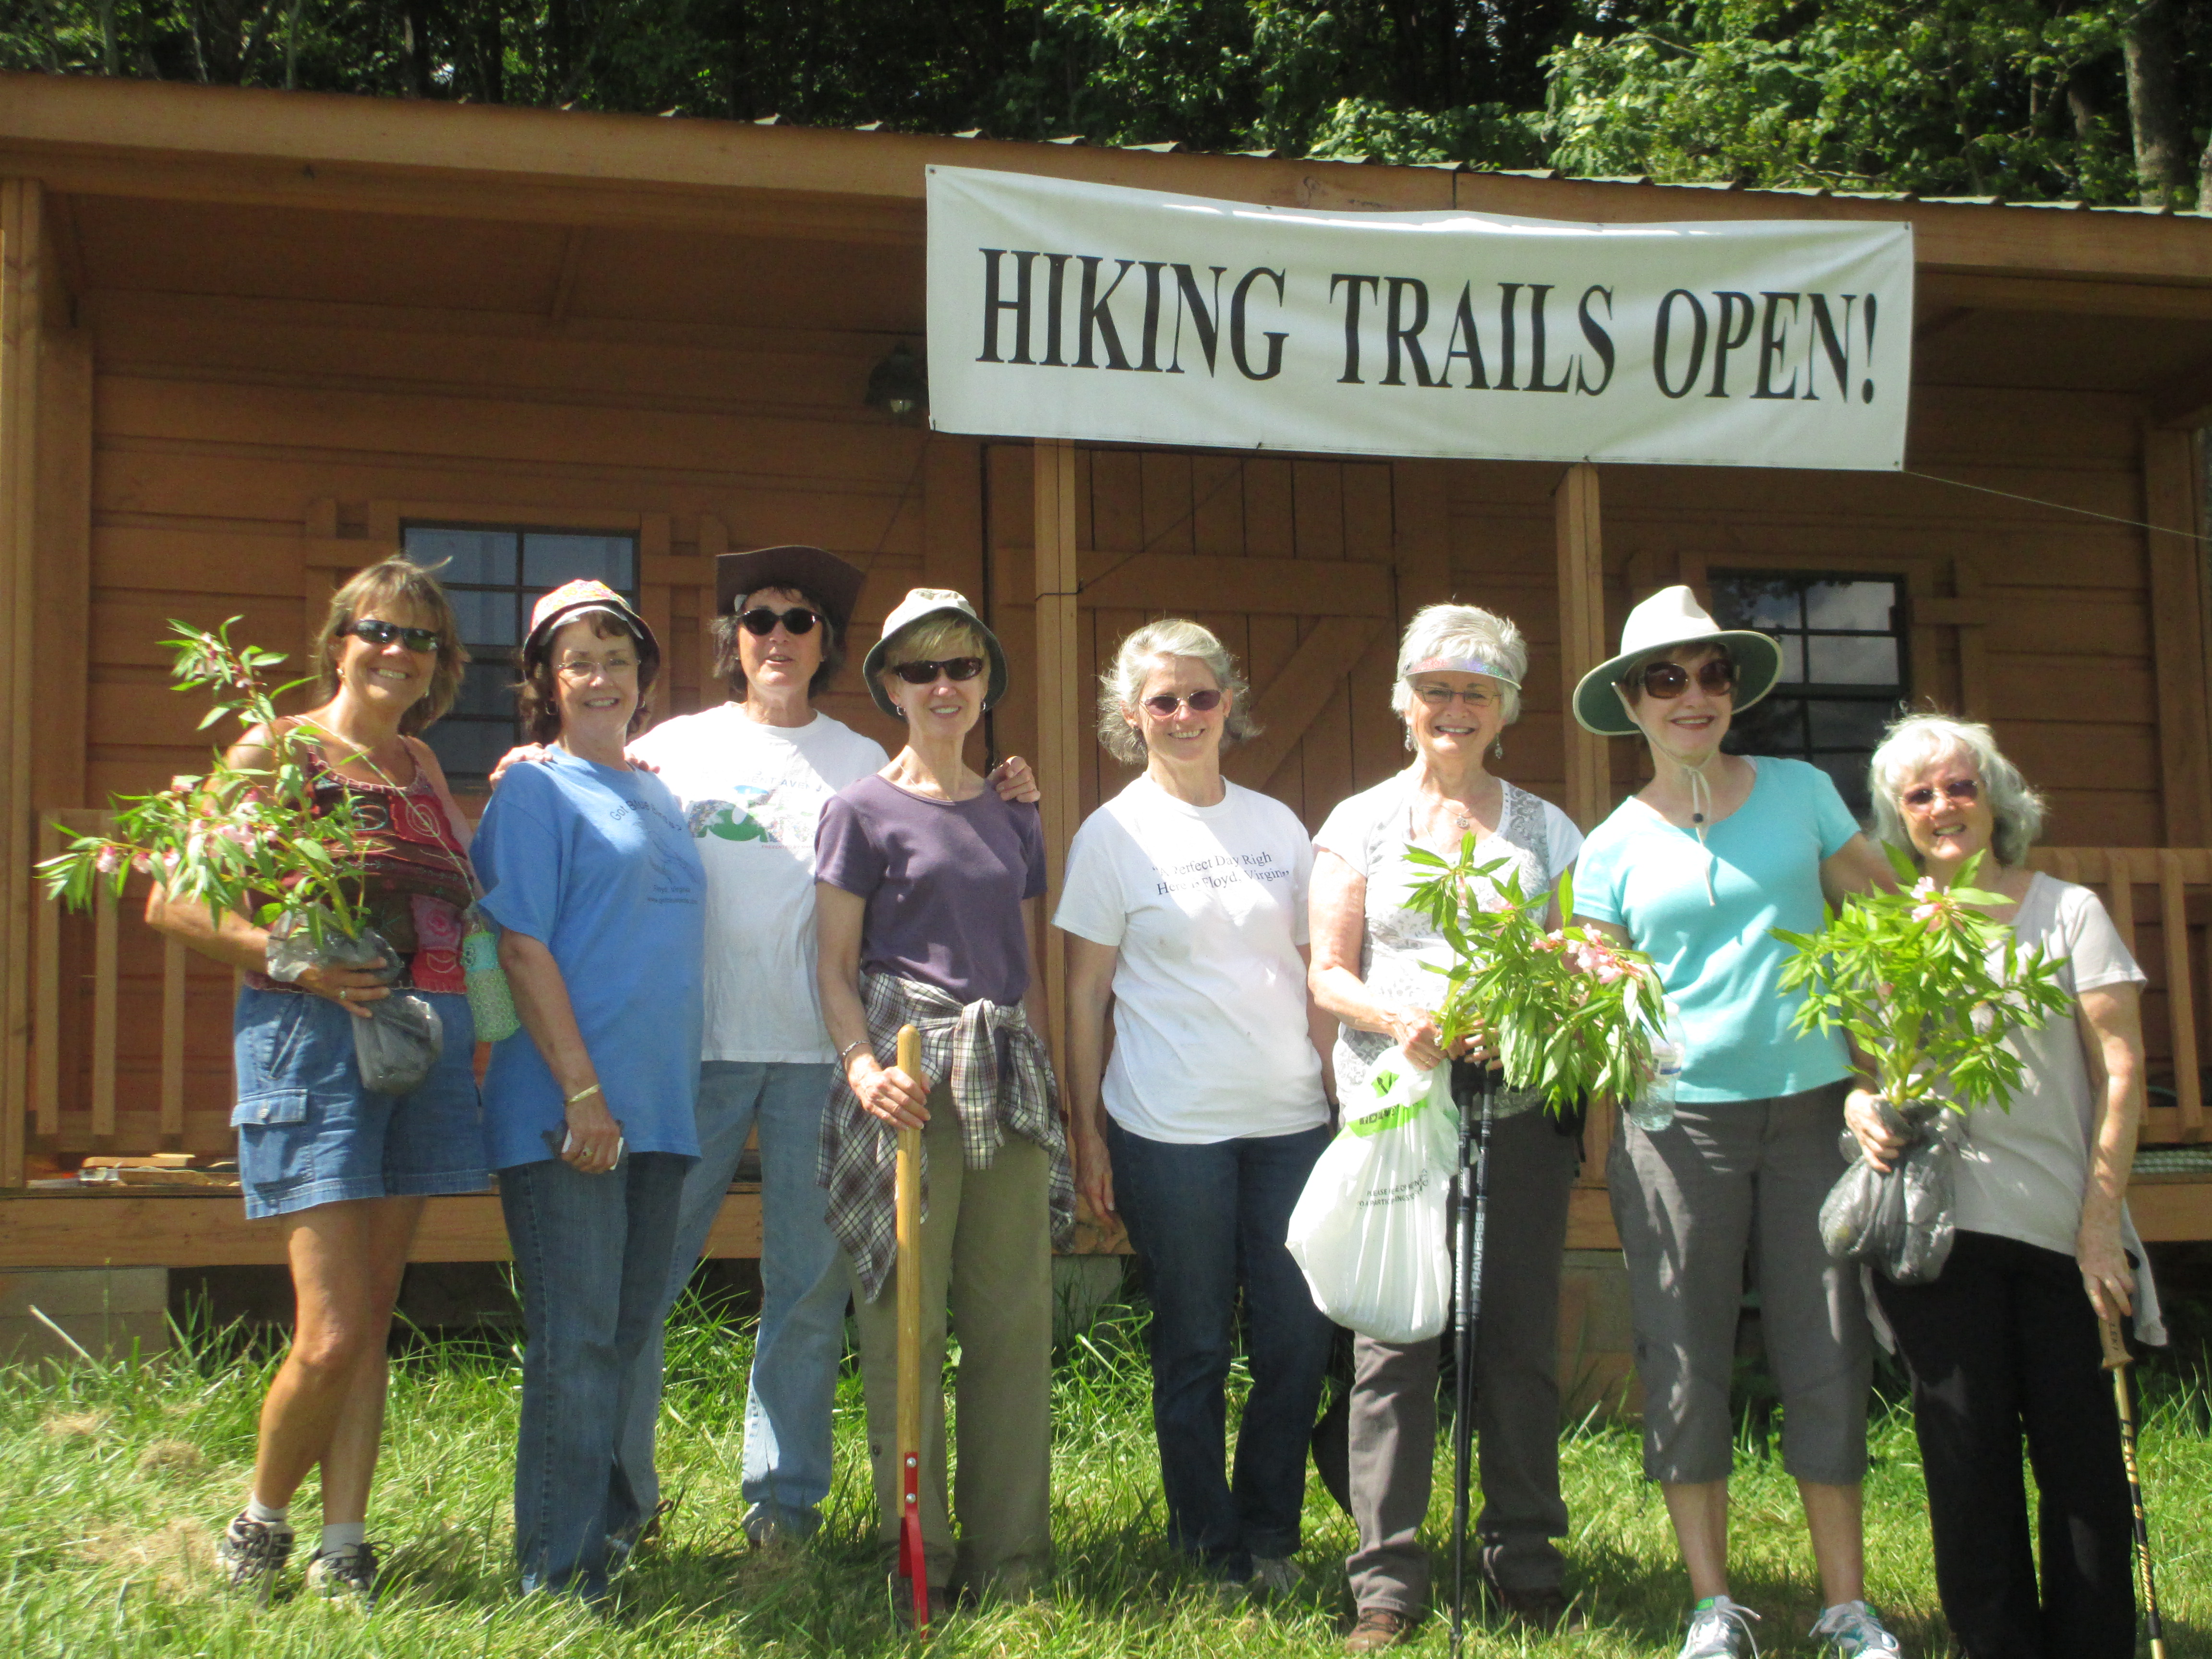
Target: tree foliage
column 2027, row 99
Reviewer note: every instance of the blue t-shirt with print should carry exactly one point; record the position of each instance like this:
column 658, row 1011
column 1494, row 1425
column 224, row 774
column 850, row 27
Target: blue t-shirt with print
column 1716, row 955
column 596, row 865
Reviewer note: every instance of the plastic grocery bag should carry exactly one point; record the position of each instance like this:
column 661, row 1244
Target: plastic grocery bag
column 1901, row 1222
column 1369, row 1231
column 399, row 1043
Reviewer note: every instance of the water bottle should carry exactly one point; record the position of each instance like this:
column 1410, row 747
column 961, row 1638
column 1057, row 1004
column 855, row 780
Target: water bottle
column 1653, row 1107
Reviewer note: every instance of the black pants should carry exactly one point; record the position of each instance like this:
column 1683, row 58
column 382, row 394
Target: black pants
column 2005, row 1342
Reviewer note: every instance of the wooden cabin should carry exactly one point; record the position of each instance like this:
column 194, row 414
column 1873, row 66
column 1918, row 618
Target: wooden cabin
column 250, row 341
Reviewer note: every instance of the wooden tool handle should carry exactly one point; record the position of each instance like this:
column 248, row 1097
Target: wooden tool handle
column 2115, row 1347
column 908, row 1198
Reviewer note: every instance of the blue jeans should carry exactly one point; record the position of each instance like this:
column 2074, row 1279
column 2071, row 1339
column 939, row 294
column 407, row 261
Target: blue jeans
column 801, row 1339
column 1207, row 1220
column 591, row 1252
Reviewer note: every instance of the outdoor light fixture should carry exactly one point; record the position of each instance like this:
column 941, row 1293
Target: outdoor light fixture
column 899, row 385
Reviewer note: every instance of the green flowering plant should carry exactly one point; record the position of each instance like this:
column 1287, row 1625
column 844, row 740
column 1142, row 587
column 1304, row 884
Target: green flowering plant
column 1927, row 985
column 1568, row 1012
column 249, row 840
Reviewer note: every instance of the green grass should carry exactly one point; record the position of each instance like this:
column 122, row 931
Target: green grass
column 113, row 1480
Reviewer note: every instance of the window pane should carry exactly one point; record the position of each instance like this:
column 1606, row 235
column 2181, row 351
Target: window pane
column 1842, row 659
column 487, row 688
column 1837, row 723
column 470, row 749
column 1776, row 727
column 486, row 618
column 548, row 560
column 470, row 556
column 1849, row 605
column 1850, row 773
column 1751, row 602
column 1793, row 658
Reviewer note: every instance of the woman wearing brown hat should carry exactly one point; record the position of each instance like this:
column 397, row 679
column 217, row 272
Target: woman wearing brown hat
column 928, row 893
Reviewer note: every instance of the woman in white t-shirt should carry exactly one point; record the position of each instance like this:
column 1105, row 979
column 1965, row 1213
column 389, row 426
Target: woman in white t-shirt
column 1184, row 901
column 1458, row 687
column 2002, row 1345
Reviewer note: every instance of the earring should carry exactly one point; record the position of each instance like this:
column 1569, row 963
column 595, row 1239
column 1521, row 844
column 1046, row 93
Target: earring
column 1409, row 739
column 1499, row 748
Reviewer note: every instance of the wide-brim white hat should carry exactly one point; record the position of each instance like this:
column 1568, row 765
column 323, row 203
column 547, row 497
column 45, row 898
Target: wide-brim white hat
column 1672, row 617
column 920, row 604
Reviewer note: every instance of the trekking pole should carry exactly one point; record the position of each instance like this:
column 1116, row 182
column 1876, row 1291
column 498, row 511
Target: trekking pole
column 908, row 1188
column 1471, row 1199
column 2115, row 1361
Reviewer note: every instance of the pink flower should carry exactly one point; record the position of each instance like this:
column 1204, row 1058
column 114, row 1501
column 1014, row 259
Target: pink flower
column 108, row 859
column 1550, row 942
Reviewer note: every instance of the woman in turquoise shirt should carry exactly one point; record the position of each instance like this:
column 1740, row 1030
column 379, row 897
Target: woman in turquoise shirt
column 1696, row 869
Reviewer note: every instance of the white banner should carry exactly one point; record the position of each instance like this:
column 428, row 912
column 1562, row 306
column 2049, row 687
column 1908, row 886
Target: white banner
column 1061, row 310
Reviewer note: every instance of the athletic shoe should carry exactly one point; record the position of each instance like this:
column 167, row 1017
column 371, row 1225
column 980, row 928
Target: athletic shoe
column 346, row 1572
column 1853, row 1628
column 1721, row 1630
column 1378, row 1628
column 253, row 1553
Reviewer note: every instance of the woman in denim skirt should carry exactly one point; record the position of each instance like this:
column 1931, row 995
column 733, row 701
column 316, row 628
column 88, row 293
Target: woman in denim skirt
column 344, row 1171
column 590, row 872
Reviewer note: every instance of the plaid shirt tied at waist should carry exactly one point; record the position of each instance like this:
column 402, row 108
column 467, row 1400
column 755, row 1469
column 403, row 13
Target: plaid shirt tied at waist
column 858, row 1160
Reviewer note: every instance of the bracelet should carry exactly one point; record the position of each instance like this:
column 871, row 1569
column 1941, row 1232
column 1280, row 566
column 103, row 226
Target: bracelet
column 855, row 1043
column 585, row 1093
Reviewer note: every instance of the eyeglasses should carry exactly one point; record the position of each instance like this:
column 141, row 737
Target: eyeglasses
column 1960, row 792
column 926, row 674
column 1200, row 703
column 582, row 668
column 379, row 632
column 1441, row 697
column 760, row 621
column 1667, row 680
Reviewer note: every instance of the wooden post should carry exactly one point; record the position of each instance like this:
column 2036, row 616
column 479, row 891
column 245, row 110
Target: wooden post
column 1059, row 701
column 21, row 323
column 1582, row 638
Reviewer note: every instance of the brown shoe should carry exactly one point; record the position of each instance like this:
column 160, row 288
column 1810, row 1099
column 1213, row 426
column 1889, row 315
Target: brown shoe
column 1379, row 1627
column 1539, row 1609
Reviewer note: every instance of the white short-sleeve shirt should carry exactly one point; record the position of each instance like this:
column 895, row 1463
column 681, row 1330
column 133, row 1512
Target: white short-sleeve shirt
column 1207, row 907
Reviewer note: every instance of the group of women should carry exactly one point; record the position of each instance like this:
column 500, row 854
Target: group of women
column 716, row 928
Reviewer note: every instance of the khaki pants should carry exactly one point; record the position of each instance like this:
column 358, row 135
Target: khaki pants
column 985, row 1250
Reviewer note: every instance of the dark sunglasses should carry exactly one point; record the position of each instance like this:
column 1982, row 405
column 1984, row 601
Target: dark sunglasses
column 1665, row 680
column 761, row 621
column 1962, row 792
column 925, row 673
column 1200, row 702
column 379, row 632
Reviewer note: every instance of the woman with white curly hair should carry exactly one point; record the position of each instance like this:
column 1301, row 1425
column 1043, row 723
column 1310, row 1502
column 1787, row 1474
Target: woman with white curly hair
column 1185, row 907
column 2002, row 1345
column 1458, row 687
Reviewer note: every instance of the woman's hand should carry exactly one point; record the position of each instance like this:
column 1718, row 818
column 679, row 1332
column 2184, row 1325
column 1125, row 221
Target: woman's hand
column 1416, row 1031
column 1014, row 780
column 1877, row 1140
column 2106, row 1274
column 593, row 1145
column 352, row 988
column 887, row 1092
column 1094, row 1172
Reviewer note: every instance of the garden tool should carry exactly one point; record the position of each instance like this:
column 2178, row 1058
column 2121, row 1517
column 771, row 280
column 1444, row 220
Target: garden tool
column 1470, row 1208
column 2115, row 1361
column 908, row 1188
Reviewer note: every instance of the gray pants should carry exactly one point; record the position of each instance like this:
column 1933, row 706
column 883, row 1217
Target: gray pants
column 1690, row 1201
column 1393, row 1430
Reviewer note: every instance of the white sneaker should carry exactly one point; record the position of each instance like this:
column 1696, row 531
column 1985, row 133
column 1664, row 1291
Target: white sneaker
column 1721, row 1630
column 1853, row 1628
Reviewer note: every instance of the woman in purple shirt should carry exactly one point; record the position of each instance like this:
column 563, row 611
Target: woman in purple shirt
column 927, row 885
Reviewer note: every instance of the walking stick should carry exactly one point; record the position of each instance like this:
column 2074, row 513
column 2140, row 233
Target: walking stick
column 912, row 1566
column 1470, row 1206
column 2115, row 1361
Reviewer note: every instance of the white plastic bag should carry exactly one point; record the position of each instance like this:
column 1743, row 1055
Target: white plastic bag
column 1369, row 1231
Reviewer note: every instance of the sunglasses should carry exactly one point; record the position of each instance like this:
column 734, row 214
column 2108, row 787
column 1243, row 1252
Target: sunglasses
column 1666, row 680
column 1962, row 792
column 760, row 621
column 1200, row 703
column 926, row 674
column 384, row 632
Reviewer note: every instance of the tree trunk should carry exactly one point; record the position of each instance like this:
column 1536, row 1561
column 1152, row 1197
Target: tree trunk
column 415, row 47
column 2154, row 106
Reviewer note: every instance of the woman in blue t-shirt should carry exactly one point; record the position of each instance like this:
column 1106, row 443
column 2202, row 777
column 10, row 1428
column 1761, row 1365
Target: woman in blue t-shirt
column 1697, row 869
column 590, row 874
